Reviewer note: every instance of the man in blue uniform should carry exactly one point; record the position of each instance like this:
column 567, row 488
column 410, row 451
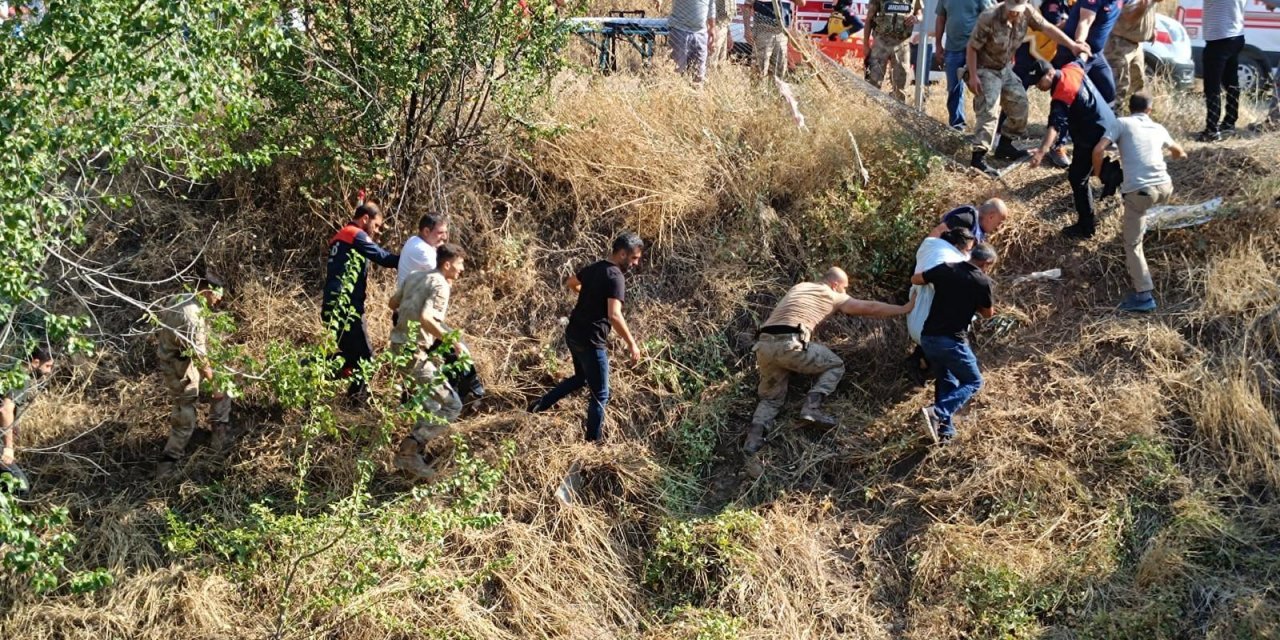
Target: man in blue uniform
column 343, row 310
column 1090, row 22
column 1077, row 106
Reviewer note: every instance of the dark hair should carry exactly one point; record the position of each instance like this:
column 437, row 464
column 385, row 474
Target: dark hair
column 1139, row 103
column 983, row 253
column 627, row 241
column 40, row 353
column 958, row 237
column 431, row 221
column 368, row 208
column 1037, row 70
column 449, row 251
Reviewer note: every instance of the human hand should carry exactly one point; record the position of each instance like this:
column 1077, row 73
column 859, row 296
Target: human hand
column 974, row 85
column 1081, row 49
column 911, row 21
column 939, row 58
column 635, row 353
column 1037, row 157
column 7, row 459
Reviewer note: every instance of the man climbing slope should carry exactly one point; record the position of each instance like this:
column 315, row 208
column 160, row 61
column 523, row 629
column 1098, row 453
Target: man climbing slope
column 783, row 347
column 343, row 312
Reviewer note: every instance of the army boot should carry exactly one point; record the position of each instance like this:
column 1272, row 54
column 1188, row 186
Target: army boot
column 222, row 438
column 410, row 461
column 1005, row 150
column 755, row 438
column 811, row 411
column 979, row 162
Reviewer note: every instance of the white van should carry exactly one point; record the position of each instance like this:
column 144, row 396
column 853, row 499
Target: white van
column 1261, row 40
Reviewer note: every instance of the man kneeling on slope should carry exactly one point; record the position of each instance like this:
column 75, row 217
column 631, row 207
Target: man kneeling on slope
column 783, row 347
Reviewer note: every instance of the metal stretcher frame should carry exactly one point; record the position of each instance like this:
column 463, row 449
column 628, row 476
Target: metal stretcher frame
column 631, row 27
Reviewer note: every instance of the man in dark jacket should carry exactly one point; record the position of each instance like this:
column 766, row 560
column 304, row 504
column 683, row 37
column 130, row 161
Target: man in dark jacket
column 1079, row 108
column 343, row 310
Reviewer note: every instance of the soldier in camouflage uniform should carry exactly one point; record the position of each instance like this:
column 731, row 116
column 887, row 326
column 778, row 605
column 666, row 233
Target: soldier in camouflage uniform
column 989, row 74
column 420, row 305
column 889, row 25
column 182, row 358
column 783, row 347
column 766, row 33
column 721, row 39
column 1136, row 25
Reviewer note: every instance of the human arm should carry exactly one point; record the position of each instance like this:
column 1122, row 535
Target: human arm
column 619, row 324
column 1050, row 137
column 573, row 284
column 373, row 252
column 971, row 67
column 396, row 298
column 873, row 309
column 1177, row 151
column 986, row 308
column 1086, row 20
column 918, row 278
column 939, row 27
column 1038, row 23
column 1098, row 151
column 868, row 28
column 6, row 425
column 937, row 232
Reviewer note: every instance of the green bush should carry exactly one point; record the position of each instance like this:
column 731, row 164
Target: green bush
column 692, row 561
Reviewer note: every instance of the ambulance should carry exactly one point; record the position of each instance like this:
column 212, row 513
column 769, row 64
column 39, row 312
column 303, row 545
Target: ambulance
column 1261, row 40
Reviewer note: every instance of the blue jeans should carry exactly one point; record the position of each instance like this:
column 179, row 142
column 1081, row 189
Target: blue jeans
column 590, row 369
column 958, row 377
column 955, row 90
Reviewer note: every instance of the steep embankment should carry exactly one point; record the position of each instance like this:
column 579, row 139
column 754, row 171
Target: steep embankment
column 1117, row 478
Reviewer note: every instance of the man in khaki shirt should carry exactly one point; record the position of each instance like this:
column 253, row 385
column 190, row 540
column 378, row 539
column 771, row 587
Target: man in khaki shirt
column 783, row 347
column 1136, row 25
column 420, row 305
column 995, row 38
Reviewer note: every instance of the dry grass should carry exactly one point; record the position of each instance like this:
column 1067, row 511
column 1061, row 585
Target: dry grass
column 1111, row 467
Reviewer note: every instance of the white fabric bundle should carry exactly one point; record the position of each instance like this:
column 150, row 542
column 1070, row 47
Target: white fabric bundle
column 932, row 252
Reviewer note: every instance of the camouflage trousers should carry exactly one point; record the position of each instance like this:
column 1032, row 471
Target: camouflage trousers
column 1128, row 67
column 769, row 49
column 1001, row 90
column 182, row 379
column 720, row 43
column 895, row 56
column 777, row 357
column 442, row 400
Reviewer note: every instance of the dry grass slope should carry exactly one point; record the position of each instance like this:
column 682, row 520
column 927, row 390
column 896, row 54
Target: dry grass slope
column 1117, row 478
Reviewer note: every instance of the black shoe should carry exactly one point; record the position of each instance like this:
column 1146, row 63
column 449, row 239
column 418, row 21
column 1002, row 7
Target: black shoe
column 1078, row 230
column 979, row 162
column 1209, row 136
column 946, row 440
column 1227, row 130
column 1006, row 151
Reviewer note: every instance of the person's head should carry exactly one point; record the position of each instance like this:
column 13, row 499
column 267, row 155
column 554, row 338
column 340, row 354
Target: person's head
column 991, row 215
column 1041, row 75
column 960, row 238
column 983, row 256
column 1016, row 7
column 627, row 250
column 368, row 217
column 211, row 288
column 449, row 260
column 433, row 228
column 40, row 362
column 1140, row 103
column 837, row 279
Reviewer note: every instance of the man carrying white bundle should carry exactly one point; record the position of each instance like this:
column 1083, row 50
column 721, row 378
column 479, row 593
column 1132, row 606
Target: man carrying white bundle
column 953, row 245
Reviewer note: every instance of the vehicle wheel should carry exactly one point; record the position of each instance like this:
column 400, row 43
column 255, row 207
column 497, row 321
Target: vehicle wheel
column 1254, row 74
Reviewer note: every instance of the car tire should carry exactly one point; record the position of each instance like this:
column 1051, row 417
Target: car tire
column 1254, row 73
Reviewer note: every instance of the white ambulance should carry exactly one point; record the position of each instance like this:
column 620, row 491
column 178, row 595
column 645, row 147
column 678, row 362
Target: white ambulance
column 1261, row 40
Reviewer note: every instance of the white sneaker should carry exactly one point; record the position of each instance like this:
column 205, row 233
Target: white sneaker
column 931, row 422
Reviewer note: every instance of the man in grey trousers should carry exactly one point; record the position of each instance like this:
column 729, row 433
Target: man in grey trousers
column 690, row 27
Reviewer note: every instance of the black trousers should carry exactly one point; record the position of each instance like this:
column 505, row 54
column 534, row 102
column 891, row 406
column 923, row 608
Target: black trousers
column 24, row 485
column 1078, row 174
column 1222, row 71
column 353, row 349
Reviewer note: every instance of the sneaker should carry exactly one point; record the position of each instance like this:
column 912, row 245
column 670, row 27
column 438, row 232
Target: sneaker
column 946, row 440
column 1079, row 231
column 1227, row 130
column 1209, row 136
column 1059, row 158
column 979, row 162
column 1138, row 303
column 567, row 492
column 931, row 423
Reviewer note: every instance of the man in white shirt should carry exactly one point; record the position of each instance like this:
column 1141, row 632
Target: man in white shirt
column 1223, row 33
column 1146, row 183
column 419, row 252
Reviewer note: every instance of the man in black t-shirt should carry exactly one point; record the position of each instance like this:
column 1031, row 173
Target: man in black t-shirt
column 961, row 289
column 601, row 291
